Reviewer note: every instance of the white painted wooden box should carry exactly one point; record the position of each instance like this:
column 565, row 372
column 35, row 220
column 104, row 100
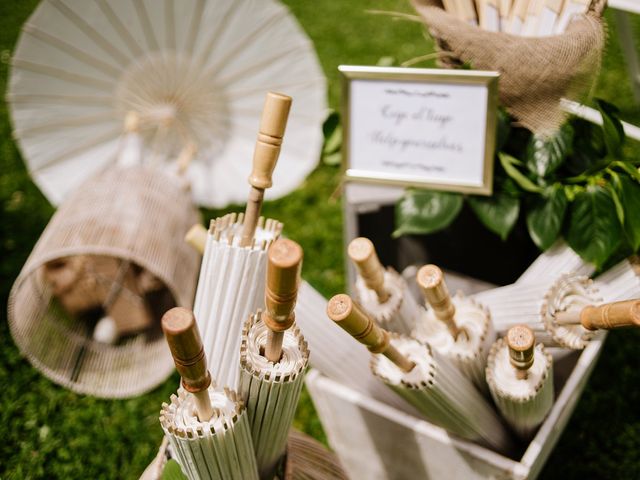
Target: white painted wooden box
column 377, row 441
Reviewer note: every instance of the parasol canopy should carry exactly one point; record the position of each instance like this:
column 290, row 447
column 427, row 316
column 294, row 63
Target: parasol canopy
column 194, row 71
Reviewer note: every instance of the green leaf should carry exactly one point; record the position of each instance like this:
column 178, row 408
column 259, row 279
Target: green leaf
column 546, row 153
column 172, row 471
column 593, row 229
column 589, row 150
column 630, row 199
column 426, row 211
column 612, row 127
column 498, row 213
column 503, row 129
column 630, row 169
column 386, row 61
column 545, row 218
column 332, row 159
column 509, row 164
column 616, row 202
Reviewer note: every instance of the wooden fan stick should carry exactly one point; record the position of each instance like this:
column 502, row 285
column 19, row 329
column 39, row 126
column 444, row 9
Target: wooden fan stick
column 606, row 317
column 180, row 330
column 351, row 318
column 284, row 262
column 363, row 254
column 431, row 280
column 521, row 342
column 272, row 126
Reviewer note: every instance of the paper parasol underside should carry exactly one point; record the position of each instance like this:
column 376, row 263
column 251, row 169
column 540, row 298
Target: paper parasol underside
column 135, row 215
column 195, row 72
column 271, row 391
column 230, row 288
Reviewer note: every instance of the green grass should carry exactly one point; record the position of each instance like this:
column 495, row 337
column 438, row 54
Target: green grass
column 49, row 432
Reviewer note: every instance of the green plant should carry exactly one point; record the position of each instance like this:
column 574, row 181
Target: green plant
column 576, row 183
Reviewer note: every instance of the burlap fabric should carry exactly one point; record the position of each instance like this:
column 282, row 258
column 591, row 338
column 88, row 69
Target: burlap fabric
column 536, row 72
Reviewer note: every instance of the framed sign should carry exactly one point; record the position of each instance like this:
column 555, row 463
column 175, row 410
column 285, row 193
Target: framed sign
column 420, row 127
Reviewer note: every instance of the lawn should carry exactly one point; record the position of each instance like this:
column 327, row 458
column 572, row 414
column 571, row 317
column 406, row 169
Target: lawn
column 50, row 432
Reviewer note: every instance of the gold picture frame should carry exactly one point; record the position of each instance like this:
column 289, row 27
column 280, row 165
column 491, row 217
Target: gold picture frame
column 482, row 183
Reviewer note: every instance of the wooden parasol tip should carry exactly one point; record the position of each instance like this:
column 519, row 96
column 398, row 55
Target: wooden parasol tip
column 430, row 277
column 610, row 316
column 362, row 252
column 182, row 334
column 284, row 262
column 431, row 281
column 275, row 114
column 339, row 307
column 521, row 342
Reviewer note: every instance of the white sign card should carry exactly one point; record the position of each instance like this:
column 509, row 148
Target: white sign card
column 421, row 127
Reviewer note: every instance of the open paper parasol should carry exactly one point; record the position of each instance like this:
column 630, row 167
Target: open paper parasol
column 273, row 359
column 207, row 429
column 424, row 378
column 195, row 72
column 383, row 294
column 520, row 378
column 458, row 328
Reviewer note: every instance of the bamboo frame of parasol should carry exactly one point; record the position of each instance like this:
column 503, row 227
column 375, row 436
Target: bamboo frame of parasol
column 207, row 429
column 384, row 294
column 520, row 378
column 458, row 328
column 273, row 358
column 231, row 282
column 423, row 377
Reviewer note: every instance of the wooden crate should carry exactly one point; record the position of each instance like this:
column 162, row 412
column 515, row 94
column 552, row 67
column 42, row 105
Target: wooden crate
column 378, row 441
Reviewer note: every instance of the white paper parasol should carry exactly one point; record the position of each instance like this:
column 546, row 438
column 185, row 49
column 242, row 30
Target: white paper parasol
column 520, row 377
column 195, row 71
column 383, row 294
column 556, row 261
column 424, row 378
column 459, row 328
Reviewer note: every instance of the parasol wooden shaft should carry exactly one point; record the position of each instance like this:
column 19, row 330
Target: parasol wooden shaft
column 351, row 318
column 272, row 126
column 180, row 330
column 284, row 262
column 606, row 317
column 431, row 280
column 521, row 342
column 363, row 254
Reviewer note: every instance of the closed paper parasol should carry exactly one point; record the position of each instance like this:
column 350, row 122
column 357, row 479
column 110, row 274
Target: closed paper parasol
column 424, row 378
column 520, row 378
column 195, row 72
column 383, row 294
column 458, row 328
column 538, row 305
column 207, row 428
column 554, row 262
column 273, row 358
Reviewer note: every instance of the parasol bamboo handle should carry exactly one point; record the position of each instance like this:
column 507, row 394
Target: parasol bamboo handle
column 197, row 238
column 431, row 281
column 351, row 318
column 180, row 330
column 272, row 126
column 521, row 342
column 606, row 317
column 284, row 262
column 363, row 254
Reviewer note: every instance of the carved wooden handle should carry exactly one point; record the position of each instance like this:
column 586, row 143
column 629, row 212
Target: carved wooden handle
column 521, row 342
column 283, row 279
column 611, row 315
column 363, row 254
column 180, row 329
column 351, row 318
column 272, row 126
column 431, row 280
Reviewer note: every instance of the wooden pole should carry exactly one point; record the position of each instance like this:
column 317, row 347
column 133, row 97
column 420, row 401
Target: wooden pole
column 284, row 262
column 180, row 330
column 431, row 280
column 363, row 254
column 272, row 126
column 351, row 318
column 521, row 342
column 603, row 317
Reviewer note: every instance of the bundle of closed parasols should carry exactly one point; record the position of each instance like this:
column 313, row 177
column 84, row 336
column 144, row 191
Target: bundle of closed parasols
column 445, row 359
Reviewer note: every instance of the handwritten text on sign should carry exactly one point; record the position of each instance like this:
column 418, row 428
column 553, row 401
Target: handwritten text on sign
column 433, row 131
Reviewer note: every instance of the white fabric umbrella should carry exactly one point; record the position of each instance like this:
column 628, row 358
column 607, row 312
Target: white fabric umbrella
column 424, row 378
column 195, row 72
column 459, row 328
column 273, row 359
column 384, row 294
column 520, row 378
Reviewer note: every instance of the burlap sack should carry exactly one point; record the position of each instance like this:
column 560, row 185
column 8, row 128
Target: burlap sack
column 536, row 72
